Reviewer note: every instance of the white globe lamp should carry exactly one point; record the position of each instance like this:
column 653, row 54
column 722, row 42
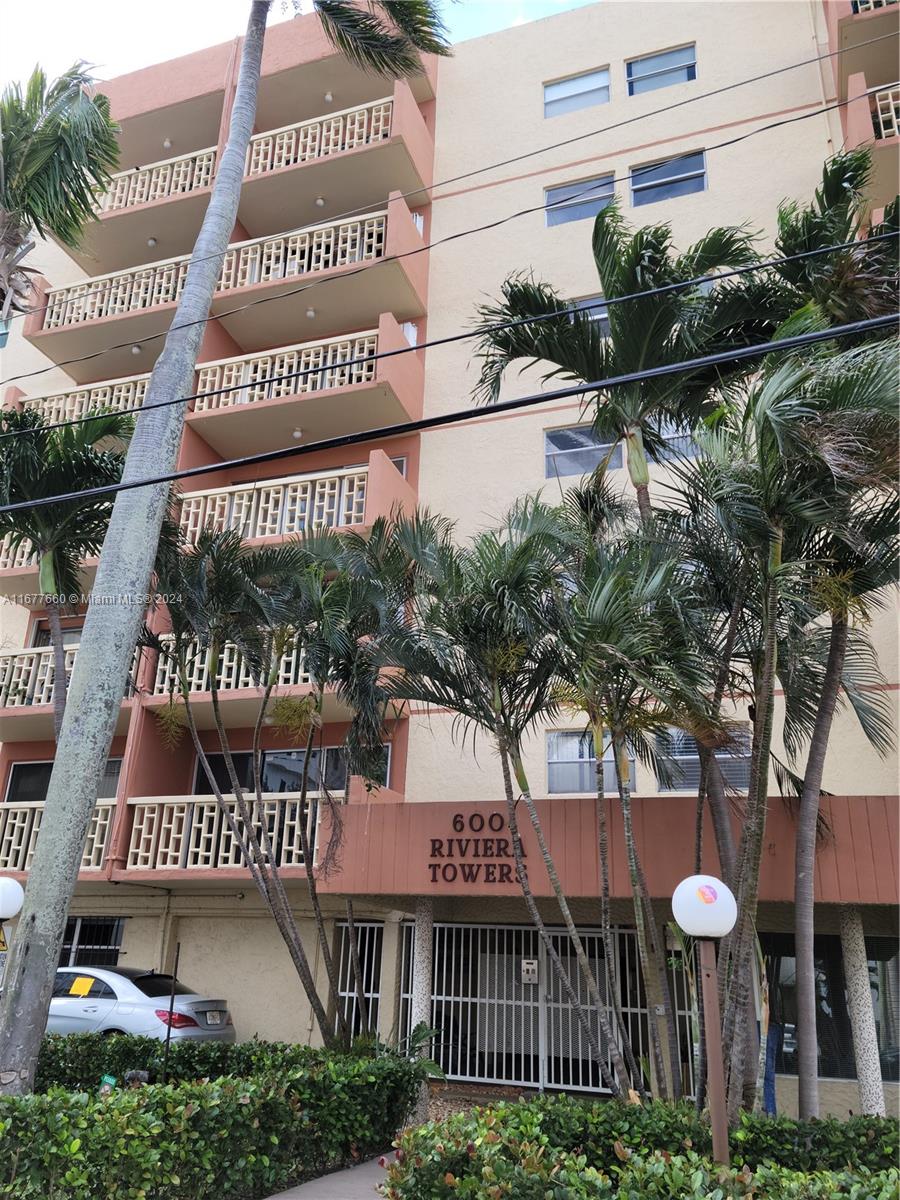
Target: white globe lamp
column 704, row 907
column 12, row 897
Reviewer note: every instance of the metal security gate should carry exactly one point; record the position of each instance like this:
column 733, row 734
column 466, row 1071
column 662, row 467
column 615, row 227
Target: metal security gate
column 501, row 1012
column 369, row 939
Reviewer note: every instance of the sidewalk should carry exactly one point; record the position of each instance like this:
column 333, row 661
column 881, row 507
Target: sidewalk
column 357, row 1183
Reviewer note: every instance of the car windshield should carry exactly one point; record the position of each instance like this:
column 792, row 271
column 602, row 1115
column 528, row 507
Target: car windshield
column 160, row 985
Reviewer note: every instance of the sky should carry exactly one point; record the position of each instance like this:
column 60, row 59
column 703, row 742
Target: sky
column 55, row 33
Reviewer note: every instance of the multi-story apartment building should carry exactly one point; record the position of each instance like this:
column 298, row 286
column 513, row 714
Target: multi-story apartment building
column 340, row 173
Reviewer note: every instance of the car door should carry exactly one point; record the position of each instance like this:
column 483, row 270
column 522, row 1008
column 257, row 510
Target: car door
column 81, row 1002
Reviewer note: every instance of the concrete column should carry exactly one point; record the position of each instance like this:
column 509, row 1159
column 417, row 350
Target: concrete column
column 423, row 950
column 862, row 1014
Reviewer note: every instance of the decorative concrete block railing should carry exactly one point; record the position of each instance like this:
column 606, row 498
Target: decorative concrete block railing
column 26, row 676
column 21, row 823
column 234, row 671
column 252, row 372
column 886, row 115
column 261, row 260
column 185, row 832
column 279, row 507
column 158, row 181
column 22, row 556
column 308, row 140
column 116, row 395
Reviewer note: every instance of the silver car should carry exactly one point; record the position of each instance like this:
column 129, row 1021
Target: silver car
column 130, row 1000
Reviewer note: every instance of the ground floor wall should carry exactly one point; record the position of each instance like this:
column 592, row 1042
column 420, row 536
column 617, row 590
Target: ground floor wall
column 229, row 948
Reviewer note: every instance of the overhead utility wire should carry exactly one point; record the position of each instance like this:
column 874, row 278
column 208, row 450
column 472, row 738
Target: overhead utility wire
column 681, row 285
column 655, row 112
column 452, row 237
column 466, row 415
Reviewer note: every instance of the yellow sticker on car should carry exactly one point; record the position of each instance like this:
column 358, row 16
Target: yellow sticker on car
column 81, row 985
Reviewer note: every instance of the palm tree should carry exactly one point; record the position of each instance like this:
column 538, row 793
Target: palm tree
column 639, row 334
column 476, row 640
column 36, row 462
column 57, row 150
column 386, row 38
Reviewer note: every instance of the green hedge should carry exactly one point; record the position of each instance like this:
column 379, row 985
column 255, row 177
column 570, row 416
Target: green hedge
column 79, row 1060
column 565, row 1149
column 230, row 1139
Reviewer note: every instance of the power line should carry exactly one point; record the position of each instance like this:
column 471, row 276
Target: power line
column 352, row 212
column 368, row 266
column 681, row 285
column 465, row 415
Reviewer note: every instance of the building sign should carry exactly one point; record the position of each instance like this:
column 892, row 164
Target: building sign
column 479, row 850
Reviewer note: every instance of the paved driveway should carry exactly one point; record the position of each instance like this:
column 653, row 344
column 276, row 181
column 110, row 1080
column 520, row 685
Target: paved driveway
column 357, row 1183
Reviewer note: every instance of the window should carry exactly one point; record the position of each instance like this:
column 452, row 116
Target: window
column 576, row 450
column 92, row 942
column 369, row 940
column 577, row 201
column 661, row 70
column 281, row 771
column 678, row 752
column 834, row 1036
column 66, row 980
column 676, row 445
column 40, row 634
column 572, row 767
column 595, row 310
column 28, row 781
column 155, row 986
column 666, row 180
column 578, row 91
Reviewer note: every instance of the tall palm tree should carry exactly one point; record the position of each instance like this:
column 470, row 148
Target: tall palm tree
column 57, row 150
column 37, row 462
column 386, row 38
column 637, row 334
column 477, row 641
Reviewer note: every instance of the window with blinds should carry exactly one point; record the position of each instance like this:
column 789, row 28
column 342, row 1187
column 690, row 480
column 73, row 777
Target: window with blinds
column 679, row 759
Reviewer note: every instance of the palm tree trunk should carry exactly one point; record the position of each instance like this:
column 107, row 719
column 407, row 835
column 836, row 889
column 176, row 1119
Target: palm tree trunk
column 804, row 873
column 111, row 630
column 60, row 681
column 862, row 1016
column 575, row 938
column 356, row 969
column 638, row 471
column 619, row 1084
column 612, row 965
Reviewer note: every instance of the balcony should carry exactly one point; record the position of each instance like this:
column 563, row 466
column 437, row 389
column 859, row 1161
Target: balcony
column 271, row 509
column 352, row 159
column 873, row 119
column 127, row 305
column 26, row 693
column 179, row 833
column 21, row 823
column 850, row 26
column 343, row 395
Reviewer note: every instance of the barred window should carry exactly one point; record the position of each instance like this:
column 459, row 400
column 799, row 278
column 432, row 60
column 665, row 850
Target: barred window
column 369, row 939
column 92, row 942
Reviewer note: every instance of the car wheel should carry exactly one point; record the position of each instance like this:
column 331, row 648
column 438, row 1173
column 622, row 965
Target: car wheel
column 112, row 1032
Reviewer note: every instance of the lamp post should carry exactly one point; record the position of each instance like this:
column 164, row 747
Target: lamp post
column 705, row 909
column 12, row 896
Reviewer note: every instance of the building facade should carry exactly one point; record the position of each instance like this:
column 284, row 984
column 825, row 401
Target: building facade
column 345, row 171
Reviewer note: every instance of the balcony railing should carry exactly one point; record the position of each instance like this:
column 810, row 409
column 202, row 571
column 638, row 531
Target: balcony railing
column 253, row 372
column 864, row 6
column 159, row 181
column 26, row 676
column 117, row 395
column 886, row 115
column 307, row 140
column 234, row 672
column 263, row 260
column 278, row 507
column 22, row 556
column 21, row 823
column 171, row 832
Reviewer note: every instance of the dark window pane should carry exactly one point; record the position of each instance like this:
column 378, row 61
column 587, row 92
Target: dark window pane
column 674, row 177
column 109, row 784
column 28, row 782
column 62, row 984
column 159, row 985
column 243, row 766
column 593, row 195
column 661, row 70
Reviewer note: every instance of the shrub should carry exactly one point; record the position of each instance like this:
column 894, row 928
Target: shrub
column 79, row 1060
column 568, row 1149
column 230, row 1139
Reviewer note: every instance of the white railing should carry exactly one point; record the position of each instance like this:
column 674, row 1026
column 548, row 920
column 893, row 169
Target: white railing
column 159, row 181
column 306, row 140
column 262, row 260
column 278, row 507
column 887, row 112
column 252, row 373
column 192, row 832
column 22, row 556
column 115, row 395
column 26, row 676
column 864, row 6
column 21, row 823
column 234, row 671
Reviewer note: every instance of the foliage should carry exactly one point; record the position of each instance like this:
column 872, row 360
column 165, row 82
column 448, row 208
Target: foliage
column 229, row 1138
column 566, row 1149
